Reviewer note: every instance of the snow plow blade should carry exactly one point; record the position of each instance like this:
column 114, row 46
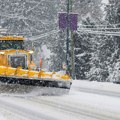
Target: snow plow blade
column 9, row 75
column 36, row 82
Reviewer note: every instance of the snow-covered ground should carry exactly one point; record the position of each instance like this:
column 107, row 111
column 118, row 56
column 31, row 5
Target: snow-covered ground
column 2, row 117
column 106, row 88
column 85, row 101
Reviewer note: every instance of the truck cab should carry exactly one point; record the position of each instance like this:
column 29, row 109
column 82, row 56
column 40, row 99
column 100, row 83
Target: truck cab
column 13, row 54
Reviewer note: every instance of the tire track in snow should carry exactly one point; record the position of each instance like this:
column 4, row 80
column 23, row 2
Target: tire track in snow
column 24, row 112
column 78, row 110
column 96, row 91
column 9, row 115
column 56, row 103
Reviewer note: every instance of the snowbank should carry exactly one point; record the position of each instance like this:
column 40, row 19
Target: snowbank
column 105, row 86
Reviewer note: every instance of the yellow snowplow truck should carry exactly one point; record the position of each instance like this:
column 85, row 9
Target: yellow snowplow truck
column 17, row 66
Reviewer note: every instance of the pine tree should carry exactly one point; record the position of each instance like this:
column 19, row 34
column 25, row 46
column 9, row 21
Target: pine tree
column 83, row 50
column 106, row 60
column 113, row 19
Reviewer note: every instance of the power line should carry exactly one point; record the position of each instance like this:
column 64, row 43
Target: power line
column 107, row 32
column 98, row 25
column 100, row 32
column 35, row 38
column 100, row 28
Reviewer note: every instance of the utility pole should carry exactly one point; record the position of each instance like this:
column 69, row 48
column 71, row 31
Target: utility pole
column 68, row 21
column 70, row 42
column 72, row 50
column 68, row 37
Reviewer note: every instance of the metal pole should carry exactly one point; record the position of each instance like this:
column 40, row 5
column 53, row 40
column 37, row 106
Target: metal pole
column 70, row 63
column 72, row 50
column 68, row 35
column 72, row 57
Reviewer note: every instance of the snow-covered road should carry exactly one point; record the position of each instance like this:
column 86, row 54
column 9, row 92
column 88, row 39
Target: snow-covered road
column 86, row 101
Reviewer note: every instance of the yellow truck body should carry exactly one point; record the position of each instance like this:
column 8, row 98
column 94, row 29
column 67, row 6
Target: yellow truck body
column 16, row 63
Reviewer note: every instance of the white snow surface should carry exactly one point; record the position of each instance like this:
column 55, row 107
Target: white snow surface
column 85, row 101
column 2, row 117
column 107, row 86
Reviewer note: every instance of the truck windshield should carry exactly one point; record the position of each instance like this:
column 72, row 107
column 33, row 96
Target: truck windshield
column 11, row 44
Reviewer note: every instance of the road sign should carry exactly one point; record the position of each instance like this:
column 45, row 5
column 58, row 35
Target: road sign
column 68, row 21
column 62, row 20
column 73, row 21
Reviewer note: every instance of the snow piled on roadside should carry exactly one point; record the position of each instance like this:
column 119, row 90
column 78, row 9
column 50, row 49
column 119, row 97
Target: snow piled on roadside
column 106, row 86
